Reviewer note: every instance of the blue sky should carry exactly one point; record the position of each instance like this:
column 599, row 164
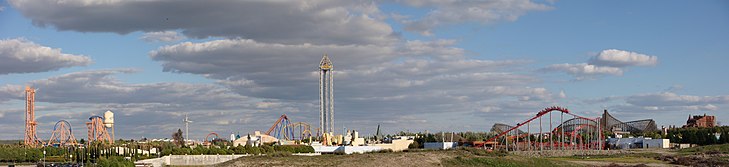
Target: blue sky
column 409, row 65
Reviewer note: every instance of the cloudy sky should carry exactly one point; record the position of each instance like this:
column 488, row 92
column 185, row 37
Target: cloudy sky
column 409, row 65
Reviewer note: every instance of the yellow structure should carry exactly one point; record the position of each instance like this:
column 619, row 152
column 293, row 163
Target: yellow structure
column 397, row 144
column 256, row 138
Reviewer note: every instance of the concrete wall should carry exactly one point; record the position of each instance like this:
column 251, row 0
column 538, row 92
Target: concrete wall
column 440, row 145
column 357, row 149
column 188, row 160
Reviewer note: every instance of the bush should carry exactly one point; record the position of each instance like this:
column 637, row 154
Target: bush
column 294, row 148
column 266, row 149
column 114, row 162
column 414, row 145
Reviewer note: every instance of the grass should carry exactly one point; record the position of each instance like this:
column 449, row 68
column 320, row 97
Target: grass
column 420, row 158
column 710, row 149
column 507, row 161
column 618, row 158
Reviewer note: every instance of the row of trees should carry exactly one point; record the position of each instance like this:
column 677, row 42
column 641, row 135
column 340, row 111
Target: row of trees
column 263, row 149
column 700, row 136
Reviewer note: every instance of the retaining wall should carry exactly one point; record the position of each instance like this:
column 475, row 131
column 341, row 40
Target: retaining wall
column 198, row 160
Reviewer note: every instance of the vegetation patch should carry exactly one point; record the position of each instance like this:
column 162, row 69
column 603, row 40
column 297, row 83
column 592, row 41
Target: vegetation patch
column 503, row 162
column 710, row 149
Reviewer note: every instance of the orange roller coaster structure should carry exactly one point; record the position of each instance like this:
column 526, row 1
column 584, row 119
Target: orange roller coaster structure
column 97, row 130
column 62, row 135
column 30, row 137
column 282, row 129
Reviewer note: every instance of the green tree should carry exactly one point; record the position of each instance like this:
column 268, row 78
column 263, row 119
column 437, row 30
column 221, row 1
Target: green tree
column 178, row 138
column 724, row 139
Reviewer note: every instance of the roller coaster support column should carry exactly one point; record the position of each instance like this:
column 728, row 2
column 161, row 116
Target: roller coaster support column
column 529, row 136
column 541, row 138
column 561, row 136
column 551, row 137
column 517, row 140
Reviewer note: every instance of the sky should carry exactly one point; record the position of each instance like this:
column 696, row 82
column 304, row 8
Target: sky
column 408, row 65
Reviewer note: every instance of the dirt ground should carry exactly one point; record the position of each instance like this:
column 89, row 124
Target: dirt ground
column 605, row 163
column 419, row 159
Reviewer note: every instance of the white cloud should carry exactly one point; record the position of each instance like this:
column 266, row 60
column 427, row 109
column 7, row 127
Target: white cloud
column 607, row 62
column 562, row 94
column 673, row 99
column 621, row 58
column 584, row 70
column 415, row 78
column 453, row 12
column 291, row 22
column 23, row 56
column 162, row 36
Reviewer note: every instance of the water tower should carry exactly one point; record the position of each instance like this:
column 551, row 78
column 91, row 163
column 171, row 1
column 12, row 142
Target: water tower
column 109, row 121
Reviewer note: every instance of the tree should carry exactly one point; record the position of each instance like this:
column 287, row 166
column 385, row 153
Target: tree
column 724, row 138
column 177, row 137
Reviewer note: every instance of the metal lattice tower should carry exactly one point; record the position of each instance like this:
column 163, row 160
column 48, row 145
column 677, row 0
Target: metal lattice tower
column 187, row 127
column 326, row 95
column 31, row 139
column 97, row 131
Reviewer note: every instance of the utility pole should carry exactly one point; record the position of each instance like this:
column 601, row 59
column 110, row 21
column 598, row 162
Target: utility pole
column 187, row 128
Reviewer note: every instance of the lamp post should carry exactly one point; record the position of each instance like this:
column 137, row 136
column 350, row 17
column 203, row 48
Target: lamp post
column 44, row 156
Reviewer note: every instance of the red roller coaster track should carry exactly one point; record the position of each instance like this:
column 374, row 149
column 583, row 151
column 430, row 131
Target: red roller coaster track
column 562, row 142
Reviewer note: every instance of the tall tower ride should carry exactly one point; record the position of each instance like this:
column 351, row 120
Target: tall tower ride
column 31, row 139
column 326, row 95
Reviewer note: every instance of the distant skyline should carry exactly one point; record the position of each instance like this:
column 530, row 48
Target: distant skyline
column 236, row 66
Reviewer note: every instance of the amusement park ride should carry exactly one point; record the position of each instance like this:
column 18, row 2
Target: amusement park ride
column 283, row 129
column 31, row 139
column 62, row 134
column 577, row 133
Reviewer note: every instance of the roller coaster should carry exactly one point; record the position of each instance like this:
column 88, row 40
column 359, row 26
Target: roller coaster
column 284, row 129
column 577, row 133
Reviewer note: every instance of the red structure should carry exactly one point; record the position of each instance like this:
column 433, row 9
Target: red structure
column 62, row 135
column 577, row 133
column 31, row 139
column 97, row 130
column 701, row 121
column 209, row 141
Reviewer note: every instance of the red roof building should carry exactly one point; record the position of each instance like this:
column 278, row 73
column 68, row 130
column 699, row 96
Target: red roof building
column 700, row 121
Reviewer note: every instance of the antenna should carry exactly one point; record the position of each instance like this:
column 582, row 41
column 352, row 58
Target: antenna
column 187, row 127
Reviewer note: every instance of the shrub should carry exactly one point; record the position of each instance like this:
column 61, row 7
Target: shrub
column 114, row 162
column 294, row 148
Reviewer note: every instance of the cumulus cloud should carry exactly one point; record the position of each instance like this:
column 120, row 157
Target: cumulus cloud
column 162, row 36
column 415, row 78
column 607, row 62
column 584, row 70
column 673, row 99
column 158, row 106
column 621, row 58
column 306, row 21
column 453, row 12
column 23, row 56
